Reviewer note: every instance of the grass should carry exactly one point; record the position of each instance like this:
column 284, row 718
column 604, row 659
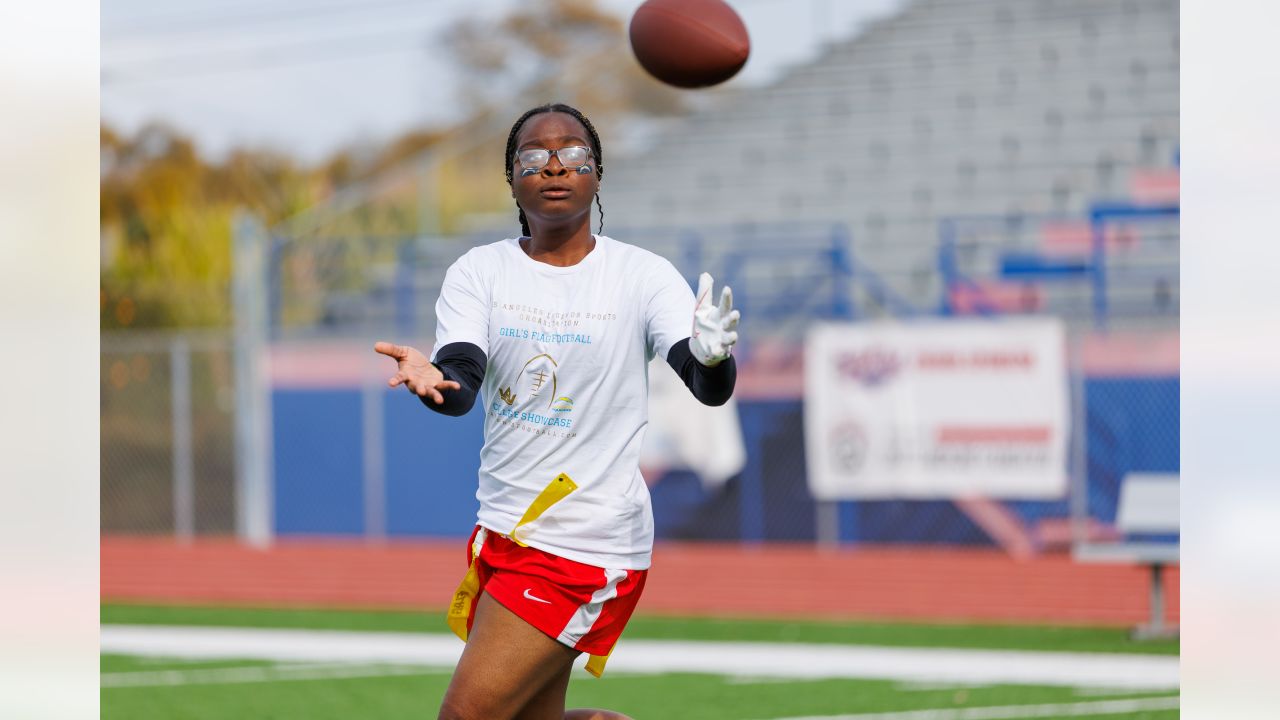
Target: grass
column 704, row 697
column 190, row 689
column 999, row 637
column 133, row 663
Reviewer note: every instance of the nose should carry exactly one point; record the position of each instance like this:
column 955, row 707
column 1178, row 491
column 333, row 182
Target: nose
column 557, row 170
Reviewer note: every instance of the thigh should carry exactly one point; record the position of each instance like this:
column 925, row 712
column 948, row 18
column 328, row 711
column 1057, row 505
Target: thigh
column 506, row 664
column 548, row 704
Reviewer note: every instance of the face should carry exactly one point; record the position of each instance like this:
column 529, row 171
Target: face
column 554, row 193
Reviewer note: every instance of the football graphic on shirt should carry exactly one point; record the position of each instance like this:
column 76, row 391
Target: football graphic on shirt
column 538, row 380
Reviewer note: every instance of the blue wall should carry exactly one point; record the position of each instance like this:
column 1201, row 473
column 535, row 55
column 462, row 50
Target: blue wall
column 431, row 461
column 318, row 462
column 430, row 465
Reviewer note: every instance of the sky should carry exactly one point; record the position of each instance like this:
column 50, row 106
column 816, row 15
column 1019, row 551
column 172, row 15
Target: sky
column 311, row 76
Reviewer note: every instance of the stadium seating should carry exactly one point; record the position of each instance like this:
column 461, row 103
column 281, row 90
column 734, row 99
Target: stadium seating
column 950, row 108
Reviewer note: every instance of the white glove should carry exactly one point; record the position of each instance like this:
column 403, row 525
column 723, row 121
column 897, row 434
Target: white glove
column 714, row 325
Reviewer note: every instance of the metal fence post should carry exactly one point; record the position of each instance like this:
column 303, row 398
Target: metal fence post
column 275, row 287
column 827, row 521
column 1098, row 265
column 402, row 286
column 1079, row 477
column 841, row 273
column 254, row 481
column 184, row 491
column 947, row 266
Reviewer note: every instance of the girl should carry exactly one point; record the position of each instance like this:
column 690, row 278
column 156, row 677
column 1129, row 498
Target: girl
column 553, row 333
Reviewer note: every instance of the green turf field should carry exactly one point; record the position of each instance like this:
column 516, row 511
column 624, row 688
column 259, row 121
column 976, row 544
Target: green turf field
column 1005, row 637
column 154, row 688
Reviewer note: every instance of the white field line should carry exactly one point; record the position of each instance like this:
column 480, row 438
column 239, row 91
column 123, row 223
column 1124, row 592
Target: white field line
column 773, row 660
column 254, row 674
column 332, row 646
column 1099, row 692
column 1015, row 712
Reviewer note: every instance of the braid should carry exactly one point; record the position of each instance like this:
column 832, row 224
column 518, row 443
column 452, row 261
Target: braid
column 596, row 149
column 524, row 223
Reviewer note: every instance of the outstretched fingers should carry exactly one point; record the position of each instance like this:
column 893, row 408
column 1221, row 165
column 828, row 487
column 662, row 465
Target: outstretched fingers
column 415, row 374
column 424, row 389
column 390, row 350
column 704, row 287
column 434, row 392
column 730, row 321
column 726, row 300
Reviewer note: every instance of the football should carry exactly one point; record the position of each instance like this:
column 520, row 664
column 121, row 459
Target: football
column 689, row 43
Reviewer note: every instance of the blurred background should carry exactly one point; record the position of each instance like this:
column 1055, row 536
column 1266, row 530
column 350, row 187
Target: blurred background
column 951, row 226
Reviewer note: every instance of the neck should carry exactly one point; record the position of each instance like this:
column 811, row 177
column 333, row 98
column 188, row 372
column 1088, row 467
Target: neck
column 561, row 245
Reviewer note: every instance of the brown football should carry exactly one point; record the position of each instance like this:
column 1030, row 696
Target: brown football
column 689, row 43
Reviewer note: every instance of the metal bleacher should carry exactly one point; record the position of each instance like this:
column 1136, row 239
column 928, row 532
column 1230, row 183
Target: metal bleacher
column 950, row 108
column 1009, row 119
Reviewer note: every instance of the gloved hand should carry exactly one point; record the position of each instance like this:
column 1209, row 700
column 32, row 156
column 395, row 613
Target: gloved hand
column 714, row 324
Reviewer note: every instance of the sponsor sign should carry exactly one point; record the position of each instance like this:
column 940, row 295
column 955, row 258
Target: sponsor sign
column 937, row 410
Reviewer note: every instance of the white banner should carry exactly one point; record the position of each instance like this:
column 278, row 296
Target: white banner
column 937, row 410
column 684, row 434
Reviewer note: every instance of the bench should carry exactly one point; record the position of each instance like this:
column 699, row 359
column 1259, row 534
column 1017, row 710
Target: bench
column 1148, row 505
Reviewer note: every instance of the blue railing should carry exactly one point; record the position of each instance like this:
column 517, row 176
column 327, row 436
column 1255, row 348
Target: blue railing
column 784, row 275
column 1028, row 263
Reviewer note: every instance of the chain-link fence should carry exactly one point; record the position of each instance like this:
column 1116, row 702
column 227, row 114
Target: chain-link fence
column 1132, row 427
column 168, row 459
column 1116, row 267
column 167, row 454
column 326, row 287
column 344, row 455
column 1124, row 419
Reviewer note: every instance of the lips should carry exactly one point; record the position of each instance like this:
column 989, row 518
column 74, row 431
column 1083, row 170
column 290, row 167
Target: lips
column 555, row 192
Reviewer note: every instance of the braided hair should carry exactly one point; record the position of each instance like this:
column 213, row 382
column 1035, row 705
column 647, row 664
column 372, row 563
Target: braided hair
column 595, row 148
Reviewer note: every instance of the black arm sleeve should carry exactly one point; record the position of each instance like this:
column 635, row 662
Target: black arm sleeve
column 463, row 363
column 711, row 385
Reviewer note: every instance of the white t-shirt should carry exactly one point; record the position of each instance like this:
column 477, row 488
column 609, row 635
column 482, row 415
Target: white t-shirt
column 566, row 388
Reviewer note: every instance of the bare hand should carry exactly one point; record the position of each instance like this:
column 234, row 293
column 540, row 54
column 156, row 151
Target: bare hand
column 415, row 372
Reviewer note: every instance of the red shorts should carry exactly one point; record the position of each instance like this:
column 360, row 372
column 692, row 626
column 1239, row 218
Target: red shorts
column 582, row 606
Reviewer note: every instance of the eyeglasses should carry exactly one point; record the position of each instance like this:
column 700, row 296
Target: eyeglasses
column 571, row 158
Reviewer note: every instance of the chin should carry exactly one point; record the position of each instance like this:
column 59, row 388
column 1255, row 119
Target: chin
column 560, row 215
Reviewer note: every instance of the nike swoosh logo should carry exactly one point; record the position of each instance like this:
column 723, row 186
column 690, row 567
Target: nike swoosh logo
column 535, row 599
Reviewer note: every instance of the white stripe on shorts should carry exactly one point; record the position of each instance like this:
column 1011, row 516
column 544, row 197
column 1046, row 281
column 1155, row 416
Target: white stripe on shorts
column 587, row 615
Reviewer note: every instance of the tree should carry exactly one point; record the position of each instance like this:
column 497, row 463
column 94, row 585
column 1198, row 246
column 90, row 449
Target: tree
column 166, row 223
column 567, row 50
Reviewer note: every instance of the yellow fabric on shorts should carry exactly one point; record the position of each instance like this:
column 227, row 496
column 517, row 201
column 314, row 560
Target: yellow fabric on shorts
column 465, row 596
